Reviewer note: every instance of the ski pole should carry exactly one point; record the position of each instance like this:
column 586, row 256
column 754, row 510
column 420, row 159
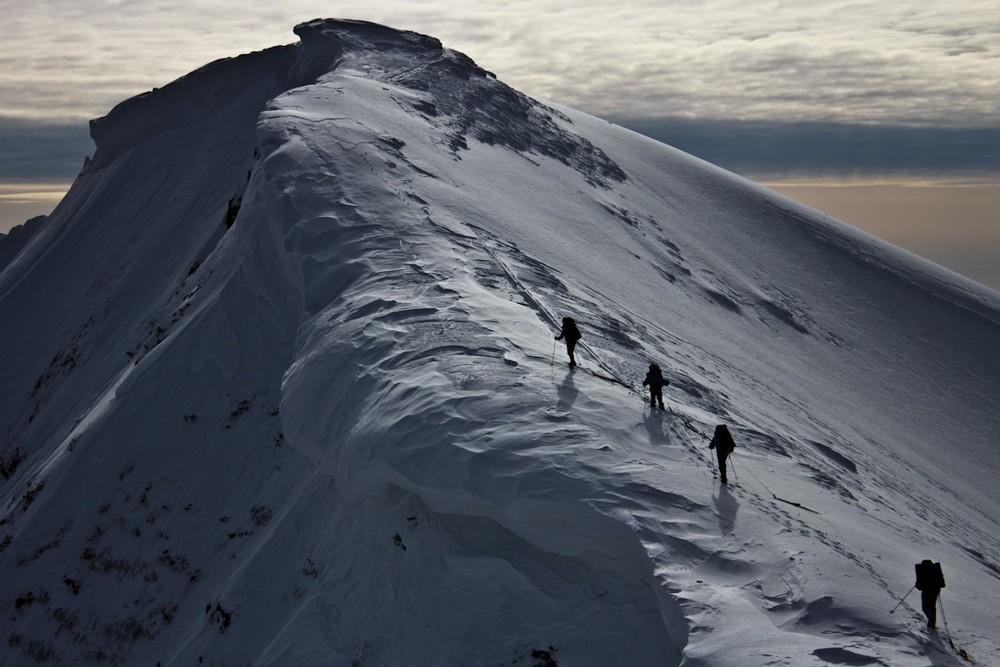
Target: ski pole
column 903, row 598
column 553, row 359
column 945, row 619
column 962, row 653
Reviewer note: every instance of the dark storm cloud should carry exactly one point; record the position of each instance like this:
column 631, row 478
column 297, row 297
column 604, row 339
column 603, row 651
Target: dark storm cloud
column 33, row 152
column 763, row 149
column 38, row 152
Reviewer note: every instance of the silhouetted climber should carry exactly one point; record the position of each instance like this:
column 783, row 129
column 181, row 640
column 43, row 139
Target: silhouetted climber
column 654, row 380
column 930, row 581
column 723, row 445
column 571, row 334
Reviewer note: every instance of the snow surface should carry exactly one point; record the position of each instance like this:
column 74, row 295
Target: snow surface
column 337, row 430
column 14, row 241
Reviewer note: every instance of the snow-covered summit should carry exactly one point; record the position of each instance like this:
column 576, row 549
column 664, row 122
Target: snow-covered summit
column 281, row 389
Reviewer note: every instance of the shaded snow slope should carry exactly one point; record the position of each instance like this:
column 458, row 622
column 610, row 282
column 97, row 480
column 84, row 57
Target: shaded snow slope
column 13, row 241
column 281, row 390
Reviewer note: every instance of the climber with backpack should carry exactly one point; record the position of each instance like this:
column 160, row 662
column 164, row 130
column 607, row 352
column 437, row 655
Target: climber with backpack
column 654, row 380
column 930, row 581
column 723, row 444
column 572, row 335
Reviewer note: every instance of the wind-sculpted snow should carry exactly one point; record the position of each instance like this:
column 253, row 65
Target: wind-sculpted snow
column 293, row 398
column 441, row 401
column 12, row 242
column 451, row 92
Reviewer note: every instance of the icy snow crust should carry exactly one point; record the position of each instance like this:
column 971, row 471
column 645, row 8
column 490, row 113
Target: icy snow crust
column 339, row 432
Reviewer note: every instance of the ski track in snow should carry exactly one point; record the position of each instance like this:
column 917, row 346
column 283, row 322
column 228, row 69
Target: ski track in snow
column 335, row 432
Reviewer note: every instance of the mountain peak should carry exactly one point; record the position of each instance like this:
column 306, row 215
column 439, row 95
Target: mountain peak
column 465, row 97
column 363, row 35
column 456, row 92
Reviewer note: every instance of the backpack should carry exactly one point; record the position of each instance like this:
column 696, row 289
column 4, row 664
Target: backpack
column 569, row 327
column 723, row 440
column 929, row 575
column 655, row 377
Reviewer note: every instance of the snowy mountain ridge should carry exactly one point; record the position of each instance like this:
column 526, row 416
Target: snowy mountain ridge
column 281, row 392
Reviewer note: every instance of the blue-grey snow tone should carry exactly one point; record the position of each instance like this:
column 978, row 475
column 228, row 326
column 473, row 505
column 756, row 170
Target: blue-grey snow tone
column 283, row 386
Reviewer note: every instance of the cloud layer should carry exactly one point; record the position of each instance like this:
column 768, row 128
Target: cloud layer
column 38, row 152
column 768, row 150
column 767, row 88
column 919, row 62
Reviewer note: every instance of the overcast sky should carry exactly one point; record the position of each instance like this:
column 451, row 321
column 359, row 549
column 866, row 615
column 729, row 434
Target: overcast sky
column 926, row 61
column 768, row 88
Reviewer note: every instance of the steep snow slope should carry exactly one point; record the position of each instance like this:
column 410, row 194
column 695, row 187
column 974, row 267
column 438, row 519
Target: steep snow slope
column 335, row 430
column 12, row 242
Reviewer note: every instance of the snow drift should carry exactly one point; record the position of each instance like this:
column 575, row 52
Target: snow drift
column 280, row 389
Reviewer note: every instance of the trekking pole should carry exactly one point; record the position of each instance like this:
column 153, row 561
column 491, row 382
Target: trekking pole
column 962, row 653
column 902, row 598
column 951, row 642
column 945, row 619
column 732, row 463
column 552, row 361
